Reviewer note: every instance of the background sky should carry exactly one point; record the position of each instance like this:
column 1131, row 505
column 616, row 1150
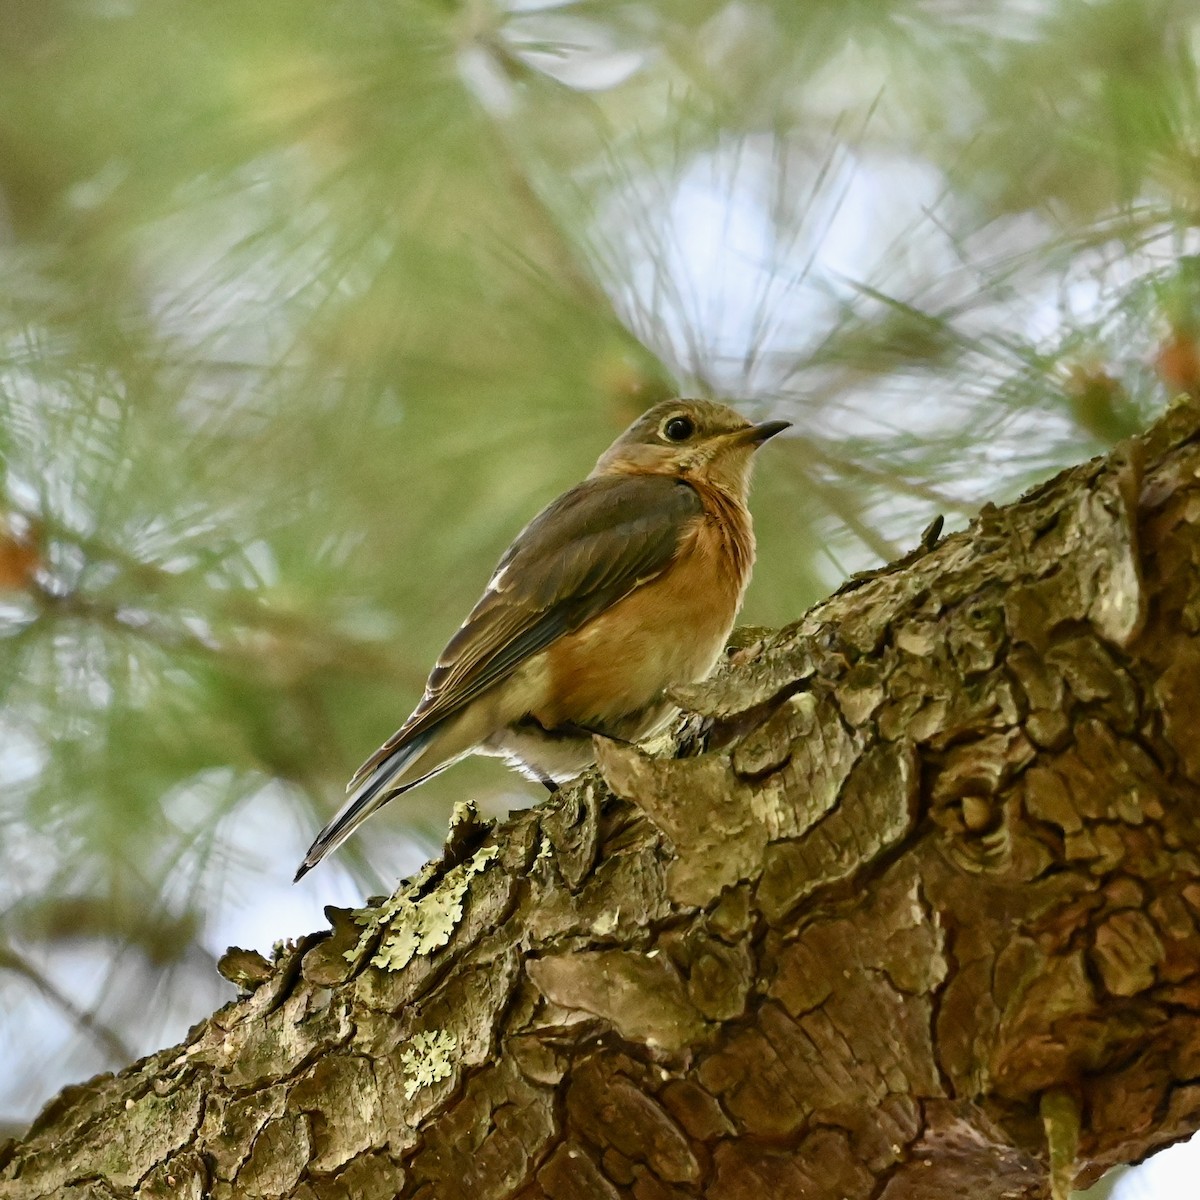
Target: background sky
column 308, row 307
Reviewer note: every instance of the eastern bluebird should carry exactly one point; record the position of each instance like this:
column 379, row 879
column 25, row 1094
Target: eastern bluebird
column 626, row 584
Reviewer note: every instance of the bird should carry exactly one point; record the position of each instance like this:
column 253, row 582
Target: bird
column 625, row 585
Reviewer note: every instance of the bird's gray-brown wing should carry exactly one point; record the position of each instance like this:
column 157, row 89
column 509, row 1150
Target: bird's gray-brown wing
column 577, row 558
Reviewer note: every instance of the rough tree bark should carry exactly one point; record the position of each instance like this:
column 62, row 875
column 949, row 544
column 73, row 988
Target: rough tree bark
column 910, row 909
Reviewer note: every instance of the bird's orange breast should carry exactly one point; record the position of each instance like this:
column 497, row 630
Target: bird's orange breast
column 611, row 673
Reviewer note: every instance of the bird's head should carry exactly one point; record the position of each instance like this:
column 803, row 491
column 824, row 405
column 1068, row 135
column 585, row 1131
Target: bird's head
column 691, row 439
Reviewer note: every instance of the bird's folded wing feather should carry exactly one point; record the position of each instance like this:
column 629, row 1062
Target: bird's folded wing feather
column 577, row 558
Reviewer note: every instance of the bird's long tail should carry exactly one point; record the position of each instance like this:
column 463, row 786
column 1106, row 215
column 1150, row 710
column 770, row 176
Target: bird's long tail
column 374, row 790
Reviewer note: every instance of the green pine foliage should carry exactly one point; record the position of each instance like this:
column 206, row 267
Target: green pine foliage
column 307, row 306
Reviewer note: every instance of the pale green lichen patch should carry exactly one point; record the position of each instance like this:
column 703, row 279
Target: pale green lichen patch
column 419, row 924
column 427, row 1059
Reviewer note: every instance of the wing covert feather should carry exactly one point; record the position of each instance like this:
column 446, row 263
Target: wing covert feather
column 576, row 558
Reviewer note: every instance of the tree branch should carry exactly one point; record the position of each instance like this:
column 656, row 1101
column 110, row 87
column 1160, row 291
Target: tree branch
column 908, row 909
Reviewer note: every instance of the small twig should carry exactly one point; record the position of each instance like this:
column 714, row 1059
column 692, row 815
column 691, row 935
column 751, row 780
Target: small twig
column 120, row 1053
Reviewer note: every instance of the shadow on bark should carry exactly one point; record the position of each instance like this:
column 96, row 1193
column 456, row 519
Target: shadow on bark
column 907, row 907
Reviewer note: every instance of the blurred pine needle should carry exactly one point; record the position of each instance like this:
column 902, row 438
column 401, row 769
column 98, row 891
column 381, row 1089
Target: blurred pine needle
column 306, row 307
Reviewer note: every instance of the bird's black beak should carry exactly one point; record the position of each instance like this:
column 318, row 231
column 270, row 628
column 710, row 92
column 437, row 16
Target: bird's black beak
column 754, row 435
column 768, row 429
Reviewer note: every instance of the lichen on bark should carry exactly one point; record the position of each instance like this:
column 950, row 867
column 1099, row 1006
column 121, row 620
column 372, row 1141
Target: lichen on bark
column 908, row 907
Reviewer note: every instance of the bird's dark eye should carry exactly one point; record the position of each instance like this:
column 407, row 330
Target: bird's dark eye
column 679, row 429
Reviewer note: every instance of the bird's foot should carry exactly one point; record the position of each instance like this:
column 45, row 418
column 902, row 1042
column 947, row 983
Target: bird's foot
column 573, row 727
